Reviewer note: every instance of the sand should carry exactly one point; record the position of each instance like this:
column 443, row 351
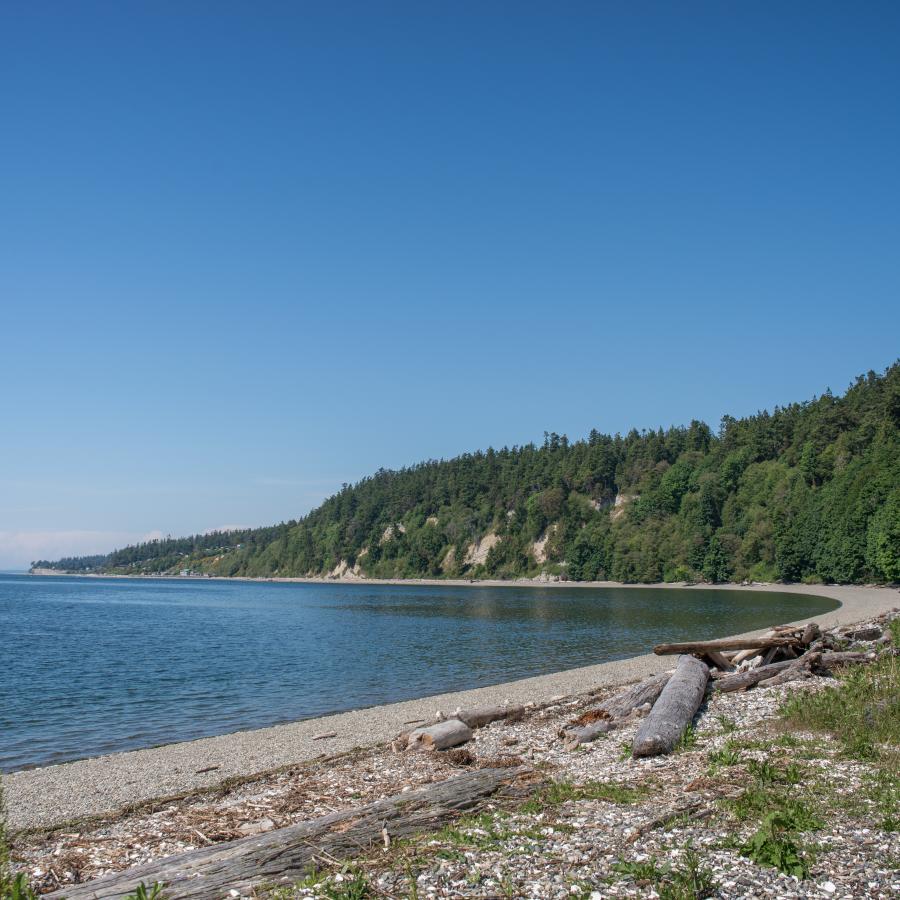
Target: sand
column 53, row 795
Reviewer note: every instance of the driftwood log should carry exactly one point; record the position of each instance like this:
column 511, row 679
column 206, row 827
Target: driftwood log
column 584, row 734
column 673, row 712
column 811, row 633
column 718, row 659
column 743, row 655
column 615, row 710
column 703, row 647
column 484, row 715
column 450, row 733
column 283, row 856
column 646, row 691
column 743, row 680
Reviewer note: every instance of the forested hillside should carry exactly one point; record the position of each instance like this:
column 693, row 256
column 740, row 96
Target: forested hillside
column 808, row 492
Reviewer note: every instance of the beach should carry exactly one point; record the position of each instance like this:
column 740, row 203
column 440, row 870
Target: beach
column 50, row 796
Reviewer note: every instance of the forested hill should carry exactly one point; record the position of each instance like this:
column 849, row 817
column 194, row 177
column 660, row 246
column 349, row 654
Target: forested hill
column 810, row 491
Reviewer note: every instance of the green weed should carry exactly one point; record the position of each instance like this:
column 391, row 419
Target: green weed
column 862, row 711
column 689, row 880
column 727, row 756
column 687, row 741
column 773, row 844
column 141, row 892
column 727, row 725
column 355, row 886
column 558, row 792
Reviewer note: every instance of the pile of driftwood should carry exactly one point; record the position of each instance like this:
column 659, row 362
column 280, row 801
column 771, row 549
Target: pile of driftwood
column 669, row 702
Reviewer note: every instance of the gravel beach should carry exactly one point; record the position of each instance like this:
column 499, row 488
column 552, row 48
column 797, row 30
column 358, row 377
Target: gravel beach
column 56, row 794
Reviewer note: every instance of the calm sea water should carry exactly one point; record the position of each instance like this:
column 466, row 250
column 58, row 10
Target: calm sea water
column 93, row 666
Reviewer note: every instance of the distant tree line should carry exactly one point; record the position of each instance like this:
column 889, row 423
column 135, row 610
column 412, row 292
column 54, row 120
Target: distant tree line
column 810, row 491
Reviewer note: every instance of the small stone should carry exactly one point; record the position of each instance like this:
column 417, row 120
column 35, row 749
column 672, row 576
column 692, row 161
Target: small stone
column 259, row 827
column 829, row 886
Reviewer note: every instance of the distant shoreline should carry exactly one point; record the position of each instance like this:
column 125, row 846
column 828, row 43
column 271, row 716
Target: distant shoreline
column 44, row 797
column 471, row 582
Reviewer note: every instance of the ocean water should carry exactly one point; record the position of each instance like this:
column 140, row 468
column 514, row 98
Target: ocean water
column 93, row 666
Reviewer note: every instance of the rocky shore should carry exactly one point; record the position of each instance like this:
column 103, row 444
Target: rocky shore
column 598, row 823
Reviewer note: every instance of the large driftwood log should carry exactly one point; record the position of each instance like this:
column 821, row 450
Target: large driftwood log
column 702, row 647
column 673, row 712
column 484, row 715
column 647, row 691
column 848, row 658
column 743, row 680
column 450, row 733
column 283, row 856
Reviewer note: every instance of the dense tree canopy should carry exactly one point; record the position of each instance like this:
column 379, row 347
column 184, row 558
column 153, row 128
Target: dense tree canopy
column 809, row 492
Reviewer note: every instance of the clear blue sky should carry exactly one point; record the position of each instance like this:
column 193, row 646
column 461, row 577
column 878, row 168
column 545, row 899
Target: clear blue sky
column 249, row 251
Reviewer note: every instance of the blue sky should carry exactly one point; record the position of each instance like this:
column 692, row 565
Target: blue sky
column 253, row 250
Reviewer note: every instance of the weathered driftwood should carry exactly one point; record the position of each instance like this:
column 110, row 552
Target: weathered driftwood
column 484, row 715
column 283, row 856
column 694, row 810
column 845, row 658
column 718, row 659
column 449, row 733
column 573, row 737
column 798, row 668
column 647, row 691
column 863, row 633
column 811, row 633
column 743, row 680
column 743, row 655
column 674, row 710
column 701, row 647
column 616, row 710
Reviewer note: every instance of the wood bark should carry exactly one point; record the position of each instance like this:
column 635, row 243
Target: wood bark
column 673, row 712
column 450, row 733
column 285, row 855
column 484, row 715
column 811, row 633
column 719, row 660
column 615, row 710
column 836, row 660
column 647, row 691
column 742, row 655
column 743, row 680
column 573, row 737
column 701, row 647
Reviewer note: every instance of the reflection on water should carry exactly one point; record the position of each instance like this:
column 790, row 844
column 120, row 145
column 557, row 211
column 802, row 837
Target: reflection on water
column 113, row 664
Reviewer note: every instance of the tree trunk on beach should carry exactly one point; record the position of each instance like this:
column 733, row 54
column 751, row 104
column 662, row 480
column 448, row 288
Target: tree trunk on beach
column 283, row 856
column 673, row 712
column 441, row 736
column 703, row 647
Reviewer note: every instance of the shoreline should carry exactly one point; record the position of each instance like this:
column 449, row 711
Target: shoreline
column 474, row 582
column 49, row 796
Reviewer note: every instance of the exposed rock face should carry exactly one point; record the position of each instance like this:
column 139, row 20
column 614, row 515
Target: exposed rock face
column 390, row 531
column 449, row 560
column 622, row 500
column 477, row 553
column 539, row 547
column 344, row 571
